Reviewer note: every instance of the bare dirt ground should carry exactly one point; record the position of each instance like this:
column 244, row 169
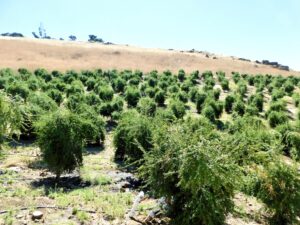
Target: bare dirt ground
column 65, row 55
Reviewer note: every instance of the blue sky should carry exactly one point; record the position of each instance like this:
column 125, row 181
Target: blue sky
column 255, row 29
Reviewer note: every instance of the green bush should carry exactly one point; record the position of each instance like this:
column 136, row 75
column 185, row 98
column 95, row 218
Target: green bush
column 159, row 97
column 217, row 93
column 293, row 142
column 119, row 85
column 106, row 93
column 132, row 96
column 251, row 110
column 61, row 137
column 10, row 118
column 242, row 88
column 236, row 77
column 278, row 106
column 239, row 107
column 277, row 94
column 132, row 136
column 90, row 83
column 96, row 132
column 289, row 87
column 182, row 96
column 92, row 99
column 225, row 85
column 229, row 100
column 258, row 101
column 18, row 88
column 209, row 112
column 177, row 107
column 186, row 164
column 56, row 95
column 76, row 87
column 296, row 98
column 276, row 118
column 199, row 100
column 279, row 188
column 146, row 106
column 181, row 75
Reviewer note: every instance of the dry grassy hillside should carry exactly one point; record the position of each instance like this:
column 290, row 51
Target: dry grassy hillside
column 64, row 55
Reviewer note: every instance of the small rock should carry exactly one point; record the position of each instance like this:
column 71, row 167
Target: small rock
column 36, row 215
column 19, row 216
column 24, row 222
column 15, row 169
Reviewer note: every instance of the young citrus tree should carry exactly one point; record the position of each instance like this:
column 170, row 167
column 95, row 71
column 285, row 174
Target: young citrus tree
column 61, row 137
column 278, row 187
column 10, row 119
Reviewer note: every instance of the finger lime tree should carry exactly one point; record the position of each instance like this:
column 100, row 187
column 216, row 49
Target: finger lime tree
column 10, row 119
column 61, row 138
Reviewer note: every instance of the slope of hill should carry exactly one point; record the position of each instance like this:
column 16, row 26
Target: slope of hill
column 64, row 55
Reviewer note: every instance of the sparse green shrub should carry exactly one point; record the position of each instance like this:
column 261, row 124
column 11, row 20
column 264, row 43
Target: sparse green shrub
column 181, row 75
column 90, row 83
column 239, row 107
column 18, row 88
column 150, row 92
column 119, row 85
column 132, row 136
column 209, row 112
column 74, row 101
column 296, row 98
column 200, row 99
column 277, row 94
column 76, row 87
column 278, row 106
column 61, row 137
column 146, row 106
column 182, row 96
column 257, row 100
column 236, row 77
column 293, row 142
column 10, row 118
column 279, row 188
column 92, row 99
column 229, row 100
column 177, row 107
column 217, row 93
column 276, row 118
column 132, row 96
column 43, row 74
column 106, row 93
column 242, row 88
column 251, row 110
column 159, row 98
column 56, row 95
column 289, row 87
column 225, row 85
column 185, row 166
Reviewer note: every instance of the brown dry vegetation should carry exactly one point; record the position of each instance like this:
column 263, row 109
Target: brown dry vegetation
column 65, row 55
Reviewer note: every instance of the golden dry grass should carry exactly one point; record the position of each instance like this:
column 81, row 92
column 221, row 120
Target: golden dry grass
column 64, row 55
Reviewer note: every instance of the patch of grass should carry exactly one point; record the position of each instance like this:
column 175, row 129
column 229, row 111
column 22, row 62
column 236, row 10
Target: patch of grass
column 145, row 206
column 8, row 218
column 82, row 216
column 97, row 179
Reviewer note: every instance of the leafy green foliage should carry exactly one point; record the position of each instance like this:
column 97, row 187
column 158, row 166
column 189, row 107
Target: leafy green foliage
column 279, row 188
column 177, row 107
column 10, row 118
column 132, row 96
column 132, row 136
column 61, row 137
column 276, row 118
column 146, row 106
